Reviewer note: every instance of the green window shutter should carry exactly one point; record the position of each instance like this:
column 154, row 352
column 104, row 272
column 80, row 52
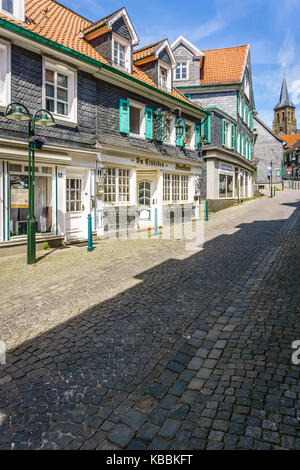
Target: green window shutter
column 232, row 128
column 247, row 114
column 197, row 137
column 223, row 132
column 243, row 109
column 148, row 123
column 244, row 146
column 188, row 96
column 124, row 116
column 241, row 143
column 205, row 127
column 179, row 140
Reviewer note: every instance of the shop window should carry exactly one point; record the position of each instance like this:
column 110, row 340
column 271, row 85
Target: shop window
column 167, row 187
column 124, row 185
column 225, row 185
column 117, row 186
column 74, row 194
column 184, row 190
column 175, row 188
column 19, row 201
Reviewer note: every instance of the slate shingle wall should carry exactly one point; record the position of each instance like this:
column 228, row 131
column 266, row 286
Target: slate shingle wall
column 267, row 148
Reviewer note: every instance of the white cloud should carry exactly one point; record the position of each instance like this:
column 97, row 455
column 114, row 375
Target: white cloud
column 295, row 91
column 286, row 53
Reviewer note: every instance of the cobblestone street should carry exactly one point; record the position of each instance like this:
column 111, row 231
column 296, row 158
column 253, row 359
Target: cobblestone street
column 144, row 345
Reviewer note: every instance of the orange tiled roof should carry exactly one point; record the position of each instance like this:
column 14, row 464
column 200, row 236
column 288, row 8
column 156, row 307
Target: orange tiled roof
column 145, row 51
column 224, row 65
column 290, row 139
column 54, row 21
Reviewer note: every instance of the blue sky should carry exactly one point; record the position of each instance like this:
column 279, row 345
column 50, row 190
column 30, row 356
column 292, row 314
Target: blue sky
column 271, row 27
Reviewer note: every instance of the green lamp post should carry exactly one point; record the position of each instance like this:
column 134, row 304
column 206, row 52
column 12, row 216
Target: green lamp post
column 16, row 111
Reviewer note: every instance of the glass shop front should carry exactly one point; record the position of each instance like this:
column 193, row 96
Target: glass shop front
column 18, row 199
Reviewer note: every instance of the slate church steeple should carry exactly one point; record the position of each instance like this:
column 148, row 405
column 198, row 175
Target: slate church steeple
column 284, row 113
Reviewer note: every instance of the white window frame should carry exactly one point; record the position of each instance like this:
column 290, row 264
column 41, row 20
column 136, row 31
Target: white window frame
column 128, row 54
column 19, row 10
column 117, row 176
column 179, row 177
column 141, row 107
column 167, row 67
column 228, row 134
column 192, row 143
column 172, row 133
column 187, row 70
column 71, row 118
column 5, row 74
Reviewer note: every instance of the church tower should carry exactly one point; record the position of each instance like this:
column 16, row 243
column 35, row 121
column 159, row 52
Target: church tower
column 284, row 113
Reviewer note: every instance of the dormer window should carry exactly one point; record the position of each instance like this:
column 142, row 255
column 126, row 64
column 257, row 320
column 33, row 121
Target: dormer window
column 8, row 5
column 121, row 53
column 181, row 71
column 13, row 8
column 164, row 77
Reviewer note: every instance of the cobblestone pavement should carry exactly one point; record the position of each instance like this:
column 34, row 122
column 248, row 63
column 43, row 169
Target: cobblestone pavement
column 142, row 345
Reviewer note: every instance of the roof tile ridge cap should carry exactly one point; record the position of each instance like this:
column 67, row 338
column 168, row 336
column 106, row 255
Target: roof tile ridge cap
column 225, row 48
column 245, row 62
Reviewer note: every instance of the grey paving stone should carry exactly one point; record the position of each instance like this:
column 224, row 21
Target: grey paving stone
column 169, row 428
column 121, row 435
column 134, row 418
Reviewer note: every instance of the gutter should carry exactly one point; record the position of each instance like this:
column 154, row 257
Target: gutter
column 215, row 84
column 96, row 63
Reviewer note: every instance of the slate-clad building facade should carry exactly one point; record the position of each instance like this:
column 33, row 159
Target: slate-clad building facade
column 221, row 81
column 115, row 149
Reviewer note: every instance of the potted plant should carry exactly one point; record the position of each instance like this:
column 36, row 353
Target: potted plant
column 37, row 142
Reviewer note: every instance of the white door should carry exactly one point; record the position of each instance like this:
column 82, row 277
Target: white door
column 77, row 201
column 144, row 200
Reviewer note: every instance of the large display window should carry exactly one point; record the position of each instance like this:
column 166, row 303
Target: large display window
column 18, row 191
column 225, row 185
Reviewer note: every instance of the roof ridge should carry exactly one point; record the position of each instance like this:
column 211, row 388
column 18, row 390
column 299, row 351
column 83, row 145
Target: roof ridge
column 72, row 11
column 225, row 48
column 148, row 45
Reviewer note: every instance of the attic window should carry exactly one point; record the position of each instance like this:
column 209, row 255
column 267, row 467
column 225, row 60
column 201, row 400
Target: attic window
column 163, row 78
column 14, row 8
column 181, row 71
column 119, row 54
column 8, row 5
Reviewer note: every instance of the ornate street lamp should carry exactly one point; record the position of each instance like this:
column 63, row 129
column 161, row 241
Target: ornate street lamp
column 179, row 128
column 18, row 112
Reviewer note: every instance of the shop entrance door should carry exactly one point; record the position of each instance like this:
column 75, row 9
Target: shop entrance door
column 76, row 206
column 144, row 200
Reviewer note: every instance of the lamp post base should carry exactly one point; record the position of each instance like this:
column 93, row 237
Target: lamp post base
column 31, row 249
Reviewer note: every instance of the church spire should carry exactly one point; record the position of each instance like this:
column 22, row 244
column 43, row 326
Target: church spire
column 284, row 99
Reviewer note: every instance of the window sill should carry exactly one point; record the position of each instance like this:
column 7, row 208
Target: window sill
column 64, row 122
column 137, row 136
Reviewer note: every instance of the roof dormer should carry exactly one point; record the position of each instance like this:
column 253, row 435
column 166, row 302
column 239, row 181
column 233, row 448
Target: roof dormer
column 113, row 37
column 190, row 61
column 157, row 61
column 13, row 8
